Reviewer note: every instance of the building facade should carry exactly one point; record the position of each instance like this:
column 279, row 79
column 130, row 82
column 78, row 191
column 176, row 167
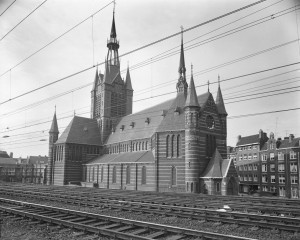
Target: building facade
column 267, row 165
column 176, row 146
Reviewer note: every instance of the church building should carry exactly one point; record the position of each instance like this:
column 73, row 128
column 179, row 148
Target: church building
column 175, row 146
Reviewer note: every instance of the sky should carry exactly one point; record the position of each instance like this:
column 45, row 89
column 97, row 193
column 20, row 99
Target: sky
column 252, row 40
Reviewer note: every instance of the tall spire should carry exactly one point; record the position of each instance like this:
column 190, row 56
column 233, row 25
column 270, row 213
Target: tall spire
column 181, row 84
column 191, row 99
column 113, row 46
column 113, row 33
column 219, row 101
column 96, row 79
column 54, row 126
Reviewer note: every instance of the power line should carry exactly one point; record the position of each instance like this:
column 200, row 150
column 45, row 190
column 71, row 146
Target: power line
column 8, row 8
column 55, row 39
column 135, row 50
column 23, row 20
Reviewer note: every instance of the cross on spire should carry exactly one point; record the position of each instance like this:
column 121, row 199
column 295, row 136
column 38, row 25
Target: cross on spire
column 219, row 79
column 114, row 6
column 191, row 68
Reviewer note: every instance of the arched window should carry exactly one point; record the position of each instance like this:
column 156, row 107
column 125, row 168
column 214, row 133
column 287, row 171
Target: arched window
column 128, row 175
column 167, row 146
column 93, row 175
column 173, row 176
column 146, row 147
column 178, row 147
column 102, row 171
column 136, row 146
column 114, row 175
column 143, row 145
column 144, row 176
column 140, row 146
column 218, row 187
column 192, row 187
column 173, row 146
column 133, row 145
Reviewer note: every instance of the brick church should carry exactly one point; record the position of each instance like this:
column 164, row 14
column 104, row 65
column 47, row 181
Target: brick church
column 176, row 146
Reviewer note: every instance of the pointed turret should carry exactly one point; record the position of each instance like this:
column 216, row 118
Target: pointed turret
column 96, row 81
column 191, row 99
column 219, row 101
column 128, row 80
column 181, row 84
column 54, row 126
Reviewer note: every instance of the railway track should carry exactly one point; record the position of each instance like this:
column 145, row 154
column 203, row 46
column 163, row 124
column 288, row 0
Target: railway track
column 287, row 223
column 102, row 225
column 111, row 198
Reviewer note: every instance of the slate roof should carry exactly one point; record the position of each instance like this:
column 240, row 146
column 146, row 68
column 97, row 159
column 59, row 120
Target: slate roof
column 128, row 80
column 191, row 99
column 285, row 143
column 37, row 160
column 220, row 102
column 128, row 157
column 81, row 131
column 248, row 140
column 54, row 126
column 5, row 161
column 214, row 167
column 158, row 123
column 3, row 154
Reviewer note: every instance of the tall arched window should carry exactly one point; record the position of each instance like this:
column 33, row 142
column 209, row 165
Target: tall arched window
column 178, row 147
column 173, row 176
column 139, row 146
column 173, row 147
column 128, row 175
column 218, row 188
column 133, row 145
column 136, row 146
column 143, row 145
column 114, row 175
column 144, row 176
column 102, row 171
column 93, row 175
column 167, row 146
column 146, row 147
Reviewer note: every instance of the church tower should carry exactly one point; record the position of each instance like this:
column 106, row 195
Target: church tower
column 53, row 136
column 111, row 96
column 223, row 118
column 192, row 133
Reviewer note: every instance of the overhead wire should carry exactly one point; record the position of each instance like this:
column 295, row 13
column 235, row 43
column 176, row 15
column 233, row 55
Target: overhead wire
column 8, row 7
column 134, row 50
column 23, row 20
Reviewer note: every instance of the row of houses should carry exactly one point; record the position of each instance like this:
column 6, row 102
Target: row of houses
column 267, row 165
column 26, row 170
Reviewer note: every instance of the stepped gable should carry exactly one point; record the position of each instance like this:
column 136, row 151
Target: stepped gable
column 213, row 169
column 81, row 131
column 128, row 157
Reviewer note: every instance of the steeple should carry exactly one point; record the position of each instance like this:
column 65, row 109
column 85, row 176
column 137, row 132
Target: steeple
column 219, row 100
column 54, row 126
column 128, row 80
column 181, row 84
column 191, row 99
column 113, row 46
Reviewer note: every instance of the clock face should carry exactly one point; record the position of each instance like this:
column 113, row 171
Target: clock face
column 210, row 122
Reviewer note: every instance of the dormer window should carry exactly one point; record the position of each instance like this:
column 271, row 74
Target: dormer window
column 132, row 125
column 85, row 129
column 177, row 111
column 164, row 113
column 122, row 127
column 147, row 121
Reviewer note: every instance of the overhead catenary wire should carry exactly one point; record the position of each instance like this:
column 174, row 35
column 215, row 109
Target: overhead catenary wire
column 23, row 20
column 135, row 50
column 8, row 7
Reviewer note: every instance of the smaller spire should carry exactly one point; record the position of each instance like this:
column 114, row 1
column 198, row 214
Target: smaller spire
column 54, row 126
column 181, row 68
column 128, row 84
column 219, row 101
column 96, row 79
column 192, row 99
column 208, row 85
column 113, row 33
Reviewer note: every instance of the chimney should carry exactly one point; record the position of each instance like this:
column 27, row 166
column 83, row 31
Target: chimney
column 260, row 133
column 239, row 137
column 11, row 155
column 271, row 135
column 291, row 137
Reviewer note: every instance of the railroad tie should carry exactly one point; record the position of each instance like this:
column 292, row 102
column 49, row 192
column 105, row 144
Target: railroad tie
column 175, row 237
column 111, row 226
column 139, row 231
column 124, row 228
column 156, row 234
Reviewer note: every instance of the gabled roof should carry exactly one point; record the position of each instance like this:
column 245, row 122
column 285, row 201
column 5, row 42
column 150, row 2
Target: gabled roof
column 249, row 140
column 220, row 102
column 7, row 161
column 37, row 159
column 128, row 157
column 81, row 131
column 213, row 169
column 285, row 143
column 162, row 118
column 54, row 127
